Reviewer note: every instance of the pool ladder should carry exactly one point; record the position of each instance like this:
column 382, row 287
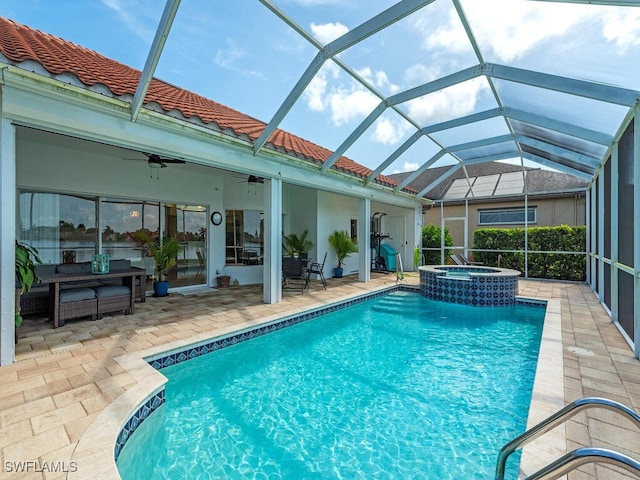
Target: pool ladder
column 578, row 457
column 399, row 269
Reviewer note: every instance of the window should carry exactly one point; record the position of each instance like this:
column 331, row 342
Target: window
column 121, row 219
column 506, row 216
column 244, row 237
column 354, row 230
column 62, row 227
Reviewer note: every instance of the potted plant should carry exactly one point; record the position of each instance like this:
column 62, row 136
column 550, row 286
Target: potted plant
column 292, row 245
column 165, row 253
column 26, row 274
column 342, row 244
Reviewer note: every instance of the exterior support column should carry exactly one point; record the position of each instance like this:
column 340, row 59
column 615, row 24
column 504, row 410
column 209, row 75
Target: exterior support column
column 615, row 225
column 364, row 240
column 636, row 233
column 272, row 273
column 417, row 221
column 599, row 211
column 589, row 239
column 7, row 239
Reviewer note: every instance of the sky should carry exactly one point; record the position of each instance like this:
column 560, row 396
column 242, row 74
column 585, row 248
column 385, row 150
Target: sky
column 240, row 54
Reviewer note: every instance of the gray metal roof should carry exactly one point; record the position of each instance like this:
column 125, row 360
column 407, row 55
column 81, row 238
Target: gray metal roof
column 494, row 175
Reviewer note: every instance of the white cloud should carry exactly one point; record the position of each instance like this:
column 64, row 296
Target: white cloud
column 379, row 79
column 623, row 28
column 451, row 102
column 418, row 74
column 349, row 104
column 315, row 92
column 521, row 25
column 137, row 16
column 227, row 57
column 389, row 132
column 327, row 32
column 408, row 167
column 450, row 35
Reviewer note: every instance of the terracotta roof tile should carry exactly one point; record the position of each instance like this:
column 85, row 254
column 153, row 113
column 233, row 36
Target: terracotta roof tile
column 20, row 43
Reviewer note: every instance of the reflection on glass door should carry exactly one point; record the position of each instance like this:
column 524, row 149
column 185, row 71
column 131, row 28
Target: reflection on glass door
column 188, row 223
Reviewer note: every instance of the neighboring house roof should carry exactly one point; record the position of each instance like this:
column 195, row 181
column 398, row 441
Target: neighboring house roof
column 22, row 46
column 496, row 178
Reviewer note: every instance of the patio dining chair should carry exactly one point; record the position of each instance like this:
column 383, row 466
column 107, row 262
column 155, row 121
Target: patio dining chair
column 318, row 269
column 200, row 270
column 294, row 275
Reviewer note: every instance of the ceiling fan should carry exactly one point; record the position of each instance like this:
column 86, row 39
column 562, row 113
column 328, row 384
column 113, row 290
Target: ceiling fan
column 155, row 160
column 254, row 179
column 250, row 179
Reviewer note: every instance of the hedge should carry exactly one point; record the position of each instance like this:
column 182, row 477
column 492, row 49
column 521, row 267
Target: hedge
column 541, row 265
column 431, row 239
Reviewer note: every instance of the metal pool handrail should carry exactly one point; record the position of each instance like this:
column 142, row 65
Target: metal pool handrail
column 556, row 419
column 582, row 456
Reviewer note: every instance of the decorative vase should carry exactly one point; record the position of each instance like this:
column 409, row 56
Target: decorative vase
column 161, row 289
column 337, row 272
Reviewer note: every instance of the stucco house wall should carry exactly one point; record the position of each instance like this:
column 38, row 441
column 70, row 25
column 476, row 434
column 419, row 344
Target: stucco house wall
column 566, row 210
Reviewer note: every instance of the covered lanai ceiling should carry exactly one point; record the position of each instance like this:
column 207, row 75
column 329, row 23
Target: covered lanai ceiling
column 424, row 83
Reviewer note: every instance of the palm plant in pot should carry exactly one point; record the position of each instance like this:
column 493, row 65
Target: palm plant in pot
column 165, row 253
column 26, row 274
column 341, row 242
column 293, row 244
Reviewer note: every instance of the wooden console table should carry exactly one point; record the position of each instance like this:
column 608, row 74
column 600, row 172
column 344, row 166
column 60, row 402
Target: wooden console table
column 128, row 277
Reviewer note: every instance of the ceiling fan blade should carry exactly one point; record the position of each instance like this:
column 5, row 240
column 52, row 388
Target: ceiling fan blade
column 155, row 158
column 172, row 160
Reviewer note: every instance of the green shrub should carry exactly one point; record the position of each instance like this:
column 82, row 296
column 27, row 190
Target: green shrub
column 541, row 265
column 431, row 239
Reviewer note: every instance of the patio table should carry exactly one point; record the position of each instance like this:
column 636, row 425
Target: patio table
column 54, row 280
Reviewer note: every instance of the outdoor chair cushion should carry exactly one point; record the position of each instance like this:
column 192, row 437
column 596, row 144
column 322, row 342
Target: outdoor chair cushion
column 105, row 291
column 77, row 295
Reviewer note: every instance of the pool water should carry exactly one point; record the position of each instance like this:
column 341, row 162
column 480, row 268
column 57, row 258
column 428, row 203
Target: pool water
column 396, row 387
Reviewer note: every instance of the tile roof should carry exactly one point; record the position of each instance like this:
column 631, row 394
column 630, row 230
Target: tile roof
column 19, row 43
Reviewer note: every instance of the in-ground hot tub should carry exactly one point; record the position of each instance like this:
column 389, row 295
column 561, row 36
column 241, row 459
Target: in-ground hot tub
column 470, row 285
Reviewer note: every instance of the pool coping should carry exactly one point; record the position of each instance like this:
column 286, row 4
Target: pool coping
column 97, row 447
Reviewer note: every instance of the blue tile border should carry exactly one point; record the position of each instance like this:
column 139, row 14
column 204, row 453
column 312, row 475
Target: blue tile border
column 136, row 420
column 193, row 351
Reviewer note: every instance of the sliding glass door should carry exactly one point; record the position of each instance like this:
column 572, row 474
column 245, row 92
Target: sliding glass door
column 187, row 223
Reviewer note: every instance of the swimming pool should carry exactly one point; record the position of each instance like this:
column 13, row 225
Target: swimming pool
column 396, row 387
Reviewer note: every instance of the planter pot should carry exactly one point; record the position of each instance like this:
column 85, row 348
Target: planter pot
column 337, row 272
column 161, row 289
column 223, row 281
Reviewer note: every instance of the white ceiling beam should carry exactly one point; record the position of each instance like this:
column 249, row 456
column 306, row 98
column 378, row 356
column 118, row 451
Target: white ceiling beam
column 610, row 3
column 162, row 32
column 582, row 88
column 558, row 166
column 570, row 155
column 436, row 85
column 415, row 174
column 467, row 119
column 480, row 143
column 440, row 179
column 558, row 126
column 357, row 132
column 392, row 158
